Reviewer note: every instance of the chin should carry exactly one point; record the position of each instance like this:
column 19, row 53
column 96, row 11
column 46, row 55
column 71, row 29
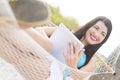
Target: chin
column 92, row 43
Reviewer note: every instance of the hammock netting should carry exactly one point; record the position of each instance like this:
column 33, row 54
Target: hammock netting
column 21, row 58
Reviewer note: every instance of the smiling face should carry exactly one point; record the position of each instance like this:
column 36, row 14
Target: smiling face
column 96, row 34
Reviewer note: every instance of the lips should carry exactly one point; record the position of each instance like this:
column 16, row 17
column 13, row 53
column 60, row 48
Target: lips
column 92, row 37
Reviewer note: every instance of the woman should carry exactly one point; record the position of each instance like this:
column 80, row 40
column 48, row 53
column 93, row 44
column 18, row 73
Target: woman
column 93, row 35
column 84, row 34
column 88, row 34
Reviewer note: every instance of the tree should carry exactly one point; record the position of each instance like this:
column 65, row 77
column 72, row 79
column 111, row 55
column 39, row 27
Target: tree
column 57, row 18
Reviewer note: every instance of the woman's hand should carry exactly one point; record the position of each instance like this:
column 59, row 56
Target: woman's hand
column 72, row 55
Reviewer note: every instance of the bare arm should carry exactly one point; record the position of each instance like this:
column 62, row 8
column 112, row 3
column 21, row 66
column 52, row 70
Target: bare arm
column 90, row 67
column 46, row 30
column 40, row 39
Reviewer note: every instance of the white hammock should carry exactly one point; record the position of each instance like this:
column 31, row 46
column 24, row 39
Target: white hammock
column 27, row 59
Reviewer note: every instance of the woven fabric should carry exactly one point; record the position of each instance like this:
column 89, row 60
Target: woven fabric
column 29, row 59
column 26, row 57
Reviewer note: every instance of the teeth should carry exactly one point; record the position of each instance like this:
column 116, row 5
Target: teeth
column 93, row 38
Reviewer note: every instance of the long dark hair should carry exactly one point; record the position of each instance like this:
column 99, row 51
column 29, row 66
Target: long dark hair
column 90, row 50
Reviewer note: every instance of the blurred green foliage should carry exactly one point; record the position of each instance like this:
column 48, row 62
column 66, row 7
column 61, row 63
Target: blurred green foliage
column 57, row 18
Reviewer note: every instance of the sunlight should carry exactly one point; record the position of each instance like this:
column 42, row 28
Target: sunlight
column 85, row 10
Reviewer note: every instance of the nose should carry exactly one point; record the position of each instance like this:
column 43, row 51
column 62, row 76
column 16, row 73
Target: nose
column 97, row 35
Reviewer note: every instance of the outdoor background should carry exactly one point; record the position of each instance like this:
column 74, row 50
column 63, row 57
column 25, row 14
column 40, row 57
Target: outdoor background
column 85, row 10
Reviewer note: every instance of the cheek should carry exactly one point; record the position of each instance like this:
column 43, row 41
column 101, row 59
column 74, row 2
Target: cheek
column 101, row 39
column 88, row 32
column 86, row 35
column 91, row 30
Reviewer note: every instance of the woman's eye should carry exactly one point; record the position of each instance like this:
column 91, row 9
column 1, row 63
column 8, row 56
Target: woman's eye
column 103, row 34
column 96, row 27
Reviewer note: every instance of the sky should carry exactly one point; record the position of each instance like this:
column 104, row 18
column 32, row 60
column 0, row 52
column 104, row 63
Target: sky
column 85, row 10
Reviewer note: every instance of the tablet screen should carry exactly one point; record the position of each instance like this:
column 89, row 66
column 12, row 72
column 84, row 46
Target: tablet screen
column 60, row 39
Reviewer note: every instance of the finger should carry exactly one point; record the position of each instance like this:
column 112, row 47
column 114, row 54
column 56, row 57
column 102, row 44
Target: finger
column 67, row 59
column 74, row 47
column 64, row 52
column 77, row 47
column 70, row 48
column 80, row 52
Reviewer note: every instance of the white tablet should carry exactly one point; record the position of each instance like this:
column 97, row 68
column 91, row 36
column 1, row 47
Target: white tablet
column 60, row 39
